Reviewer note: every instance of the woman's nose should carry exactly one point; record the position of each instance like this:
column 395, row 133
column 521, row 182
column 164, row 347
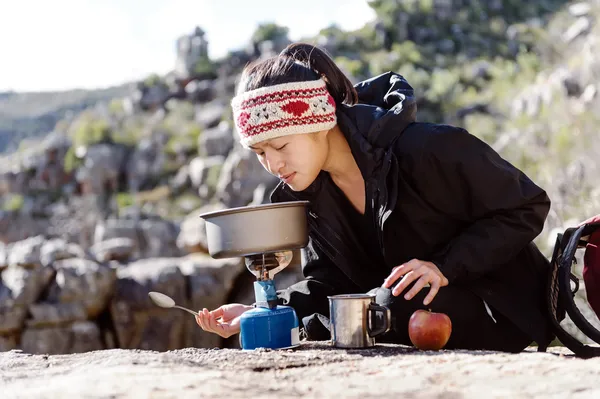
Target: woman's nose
column 275, row 163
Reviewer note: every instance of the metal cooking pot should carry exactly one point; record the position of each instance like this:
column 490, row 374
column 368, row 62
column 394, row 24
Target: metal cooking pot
column 251, row 230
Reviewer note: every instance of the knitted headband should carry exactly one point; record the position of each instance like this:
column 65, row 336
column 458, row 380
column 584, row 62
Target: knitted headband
column 288, row 108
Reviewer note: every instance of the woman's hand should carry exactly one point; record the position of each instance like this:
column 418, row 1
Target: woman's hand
column 425, row 272
column 224, row 321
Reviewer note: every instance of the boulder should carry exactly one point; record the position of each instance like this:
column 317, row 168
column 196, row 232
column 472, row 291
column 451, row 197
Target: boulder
column 23, row 286
column 192, row 237
column 241, row 174
column 81, row 336
column 121, row 249
column 208, row 115
column 200, row 169
column 55, row 314
column 159, row 238
column 217, row 141
column 138, row 322
column 19, row 288
column 83, row 282
column 210, row 282
column 58, row 249
column 8, row 343
column 26, row 252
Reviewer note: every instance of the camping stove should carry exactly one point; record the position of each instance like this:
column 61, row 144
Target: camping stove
column 266, row 236
column 268, row 325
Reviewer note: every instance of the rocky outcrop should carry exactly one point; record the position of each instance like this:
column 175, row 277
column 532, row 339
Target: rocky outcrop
column 57, row 298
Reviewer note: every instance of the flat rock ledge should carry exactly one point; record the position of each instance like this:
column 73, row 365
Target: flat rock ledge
column 313, row 370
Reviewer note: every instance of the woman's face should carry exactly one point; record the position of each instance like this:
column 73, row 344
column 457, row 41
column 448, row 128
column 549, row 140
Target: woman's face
column 296, row 159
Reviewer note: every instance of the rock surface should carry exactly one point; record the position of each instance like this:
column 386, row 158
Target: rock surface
column 312, row 370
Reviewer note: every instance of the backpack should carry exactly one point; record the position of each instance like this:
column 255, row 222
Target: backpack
column 561, row 297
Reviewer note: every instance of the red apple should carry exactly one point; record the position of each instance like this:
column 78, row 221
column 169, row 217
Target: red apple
column 429, row 330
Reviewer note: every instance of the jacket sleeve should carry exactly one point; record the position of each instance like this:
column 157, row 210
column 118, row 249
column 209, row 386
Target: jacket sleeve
column 322, row 278
column 502, row 209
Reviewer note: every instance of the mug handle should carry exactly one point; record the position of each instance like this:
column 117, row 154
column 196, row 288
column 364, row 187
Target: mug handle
column 387, row 315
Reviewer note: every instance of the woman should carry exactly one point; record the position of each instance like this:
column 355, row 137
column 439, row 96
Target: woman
column 425, row 216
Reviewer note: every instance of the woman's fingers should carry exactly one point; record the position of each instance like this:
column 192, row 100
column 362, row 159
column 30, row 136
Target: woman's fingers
column 223, row 321
column 203, row 318
column 221, row 328
column 199, row 318
column 213, row 325
column 420, row 271
column 218, row 312
column 398, row 272
column 433, row 290
column 406, row 281
column 421, row 282
column 208, row 322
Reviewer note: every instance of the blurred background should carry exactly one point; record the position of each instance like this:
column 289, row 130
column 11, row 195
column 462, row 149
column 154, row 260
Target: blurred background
column 116, row 133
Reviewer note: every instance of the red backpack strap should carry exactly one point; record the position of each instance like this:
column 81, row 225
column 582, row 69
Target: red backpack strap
column 592, row 220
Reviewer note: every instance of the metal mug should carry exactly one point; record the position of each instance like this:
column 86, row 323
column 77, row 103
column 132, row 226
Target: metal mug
column 353, row 319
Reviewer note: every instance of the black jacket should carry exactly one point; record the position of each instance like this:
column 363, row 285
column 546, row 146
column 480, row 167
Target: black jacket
column 435, row 193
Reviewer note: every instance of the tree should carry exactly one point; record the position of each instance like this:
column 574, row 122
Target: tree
column 269, row 31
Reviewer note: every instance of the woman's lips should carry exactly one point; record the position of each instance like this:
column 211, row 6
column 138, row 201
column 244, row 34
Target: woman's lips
column 288, row 178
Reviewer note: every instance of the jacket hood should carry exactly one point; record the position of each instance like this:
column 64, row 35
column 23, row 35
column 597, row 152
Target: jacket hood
column 387, row 105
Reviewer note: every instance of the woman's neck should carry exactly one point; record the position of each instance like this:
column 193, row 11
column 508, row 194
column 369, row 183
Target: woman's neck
column 340, row 163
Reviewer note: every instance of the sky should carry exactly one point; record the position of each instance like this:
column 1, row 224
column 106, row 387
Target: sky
column 66, row 44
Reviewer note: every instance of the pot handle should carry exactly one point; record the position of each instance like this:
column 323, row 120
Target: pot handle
column 387, row 316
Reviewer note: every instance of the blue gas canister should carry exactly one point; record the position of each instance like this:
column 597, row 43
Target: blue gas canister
column 269, row 328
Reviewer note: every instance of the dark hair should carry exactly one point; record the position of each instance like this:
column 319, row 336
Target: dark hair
column 299, row 62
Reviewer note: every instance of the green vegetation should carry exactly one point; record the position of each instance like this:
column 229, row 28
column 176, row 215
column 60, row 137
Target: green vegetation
column 13, row 202
column 269, row 31
column 90, row 131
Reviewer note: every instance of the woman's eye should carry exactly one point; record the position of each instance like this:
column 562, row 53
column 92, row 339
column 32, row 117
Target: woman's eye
column 282, row 147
